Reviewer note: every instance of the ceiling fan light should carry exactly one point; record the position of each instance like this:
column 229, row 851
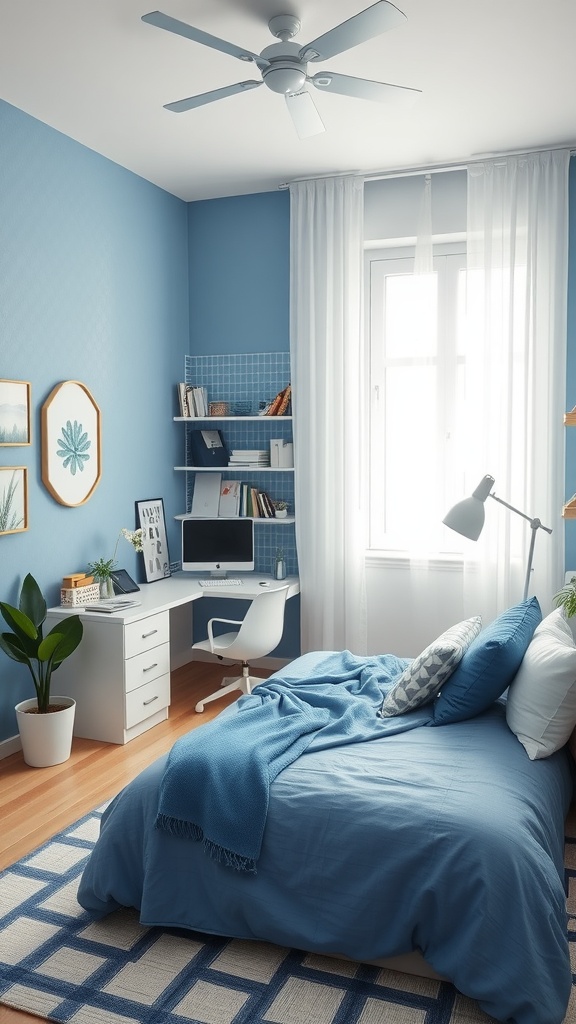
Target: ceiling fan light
column 284, row 80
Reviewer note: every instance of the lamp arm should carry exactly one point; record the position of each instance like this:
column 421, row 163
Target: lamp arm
column 534, row 523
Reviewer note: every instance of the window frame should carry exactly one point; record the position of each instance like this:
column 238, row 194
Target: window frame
column 450, row 259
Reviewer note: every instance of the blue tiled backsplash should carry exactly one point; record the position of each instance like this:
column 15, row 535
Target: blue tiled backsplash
column 244, row 381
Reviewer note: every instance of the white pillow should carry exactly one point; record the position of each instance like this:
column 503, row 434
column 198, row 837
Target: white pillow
column 541, row 705
column 421, row 680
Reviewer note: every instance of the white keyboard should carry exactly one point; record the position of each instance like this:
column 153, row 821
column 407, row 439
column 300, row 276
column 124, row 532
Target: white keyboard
column 220, row 583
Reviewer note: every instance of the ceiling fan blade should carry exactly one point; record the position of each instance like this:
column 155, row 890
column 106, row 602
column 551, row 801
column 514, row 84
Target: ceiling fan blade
column 363, row 26
column 304, row 114
column 208, row 97
column 180, row 28
column 364, row 88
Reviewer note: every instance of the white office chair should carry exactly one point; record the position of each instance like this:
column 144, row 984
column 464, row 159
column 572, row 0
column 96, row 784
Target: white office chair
column 260, row 632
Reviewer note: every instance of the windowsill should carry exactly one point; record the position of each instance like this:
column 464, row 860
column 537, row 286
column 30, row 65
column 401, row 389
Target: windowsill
column 404, row 560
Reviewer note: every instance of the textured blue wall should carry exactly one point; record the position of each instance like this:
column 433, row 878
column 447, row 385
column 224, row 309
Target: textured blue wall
column 240, row 274
column 93, row 287
column 239, row 249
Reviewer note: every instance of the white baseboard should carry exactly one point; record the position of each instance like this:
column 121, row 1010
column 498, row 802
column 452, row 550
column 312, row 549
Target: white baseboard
column 10, row 746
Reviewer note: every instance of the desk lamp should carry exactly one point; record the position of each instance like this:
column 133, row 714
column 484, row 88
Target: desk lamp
column 467, row 518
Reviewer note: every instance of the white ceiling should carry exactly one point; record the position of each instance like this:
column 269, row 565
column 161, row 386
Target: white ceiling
column 495, row 76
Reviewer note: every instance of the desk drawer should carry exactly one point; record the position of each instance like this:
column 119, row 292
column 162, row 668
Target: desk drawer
column 147, row 666
column 146, row 633
column 147, row 700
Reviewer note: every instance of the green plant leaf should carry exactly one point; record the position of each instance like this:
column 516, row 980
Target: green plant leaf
column 32, row 602
column 19, row 621
column 69, row 632
column 11, row 646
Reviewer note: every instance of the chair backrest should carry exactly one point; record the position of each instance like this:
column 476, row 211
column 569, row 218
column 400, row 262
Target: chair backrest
column 262, row 626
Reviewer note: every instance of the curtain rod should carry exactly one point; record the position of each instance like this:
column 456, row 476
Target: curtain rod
column 408, row 172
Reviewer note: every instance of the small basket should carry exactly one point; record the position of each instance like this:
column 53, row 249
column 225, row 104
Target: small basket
column 73, row 597
column 219, row 408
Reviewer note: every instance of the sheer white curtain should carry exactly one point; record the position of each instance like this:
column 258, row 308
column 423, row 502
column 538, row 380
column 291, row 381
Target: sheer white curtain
column 515, row 372
column 327, row 357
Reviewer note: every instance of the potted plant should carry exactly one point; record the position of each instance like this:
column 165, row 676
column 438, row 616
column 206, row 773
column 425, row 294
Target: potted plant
column 280, row 509
column 102, row 569
column 45, row 723
column 566, row 598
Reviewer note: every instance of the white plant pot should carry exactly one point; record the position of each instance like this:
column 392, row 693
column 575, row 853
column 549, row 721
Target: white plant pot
column 46, row 739
column 281, row 513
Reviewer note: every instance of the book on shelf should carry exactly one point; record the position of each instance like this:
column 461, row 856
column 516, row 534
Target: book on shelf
column 197, row 400
column 206, row 495
column 255, row 506
column 183, row 405
column 229, row 505
column 266, row 506
column 249, row 457
column 279, row 405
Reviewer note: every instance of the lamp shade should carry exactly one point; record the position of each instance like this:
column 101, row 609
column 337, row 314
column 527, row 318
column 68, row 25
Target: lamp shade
column 467, row 516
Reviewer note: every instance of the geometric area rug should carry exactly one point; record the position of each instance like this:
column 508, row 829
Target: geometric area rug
column 59, row 964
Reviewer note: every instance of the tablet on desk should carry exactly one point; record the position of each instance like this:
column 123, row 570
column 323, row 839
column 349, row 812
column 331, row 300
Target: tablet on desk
column 123, row 583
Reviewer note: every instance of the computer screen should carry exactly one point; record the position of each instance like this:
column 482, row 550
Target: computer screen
column 217, row 545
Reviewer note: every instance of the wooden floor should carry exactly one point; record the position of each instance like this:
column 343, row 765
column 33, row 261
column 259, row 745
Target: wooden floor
column 36, row 803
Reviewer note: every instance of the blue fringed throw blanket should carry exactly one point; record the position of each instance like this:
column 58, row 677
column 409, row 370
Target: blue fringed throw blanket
column 216, row 784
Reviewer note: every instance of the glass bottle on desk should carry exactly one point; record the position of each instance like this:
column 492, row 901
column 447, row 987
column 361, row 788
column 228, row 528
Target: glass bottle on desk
column 279, row 572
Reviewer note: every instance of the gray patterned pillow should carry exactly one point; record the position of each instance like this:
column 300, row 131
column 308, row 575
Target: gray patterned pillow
column 421, row 681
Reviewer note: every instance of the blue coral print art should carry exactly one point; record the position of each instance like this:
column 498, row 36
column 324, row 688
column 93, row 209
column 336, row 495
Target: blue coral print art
column 73, row 447
column 71, row 443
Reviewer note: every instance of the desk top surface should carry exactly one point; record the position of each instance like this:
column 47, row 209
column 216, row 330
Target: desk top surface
column 182, row 588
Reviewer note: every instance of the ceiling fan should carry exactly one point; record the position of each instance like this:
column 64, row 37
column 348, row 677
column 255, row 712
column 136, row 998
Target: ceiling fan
column 284, row 65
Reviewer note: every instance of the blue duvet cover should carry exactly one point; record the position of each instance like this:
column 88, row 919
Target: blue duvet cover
column 448, row 840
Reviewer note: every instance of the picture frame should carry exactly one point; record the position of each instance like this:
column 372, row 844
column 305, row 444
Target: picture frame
column 15, row 412
column 71, row 443
column 13, row 499
column 150, row 519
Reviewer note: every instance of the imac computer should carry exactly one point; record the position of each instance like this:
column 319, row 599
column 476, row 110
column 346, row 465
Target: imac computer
column 218, row 545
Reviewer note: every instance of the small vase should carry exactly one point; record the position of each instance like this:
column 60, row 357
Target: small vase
column 106, row 588
column 279, row 568
column 281, row 513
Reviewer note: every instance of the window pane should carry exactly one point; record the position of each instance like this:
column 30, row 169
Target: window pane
column 410, row 315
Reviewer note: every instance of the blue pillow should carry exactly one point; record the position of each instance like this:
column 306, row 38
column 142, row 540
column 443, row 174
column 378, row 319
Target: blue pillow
column 489, row 665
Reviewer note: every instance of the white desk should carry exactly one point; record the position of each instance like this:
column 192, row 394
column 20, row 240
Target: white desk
column 119, row 676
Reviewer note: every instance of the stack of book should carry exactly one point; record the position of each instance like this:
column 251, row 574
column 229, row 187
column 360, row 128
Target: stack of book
column 279, row 406
column 192, row 400
column 79, row 588
column 253, row 457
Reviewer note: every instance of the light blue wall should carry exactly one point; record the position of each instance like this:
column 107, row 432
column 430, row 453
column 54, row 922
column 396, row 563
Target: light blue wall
column 239, row 250
column 240, row 274
column 93, row 287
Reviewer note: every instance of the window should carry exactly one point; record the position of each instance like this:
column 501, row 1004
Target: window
column 417, row 357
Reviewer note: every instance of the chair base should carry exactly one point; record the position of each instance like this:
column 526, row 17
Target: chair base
column 245, row 683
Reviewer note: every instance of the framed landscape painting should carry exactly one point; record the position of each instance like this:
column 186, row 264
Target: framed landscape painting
column 15, row 414
column 13, row 499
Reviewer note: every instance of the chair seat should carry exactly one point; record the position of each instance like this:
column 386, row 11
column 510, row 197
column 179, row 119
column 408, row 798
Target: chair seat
column 220, row 643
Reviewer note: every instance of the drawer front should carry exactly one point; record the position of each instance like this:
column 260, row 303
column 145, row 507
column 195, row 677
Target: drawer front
column 147, row 700
column 146, row 633
column 147, row 666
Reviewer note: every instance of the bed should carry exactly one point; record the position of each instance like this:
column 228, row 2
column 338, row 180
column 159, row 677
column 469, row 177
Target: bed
column 382, row 837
